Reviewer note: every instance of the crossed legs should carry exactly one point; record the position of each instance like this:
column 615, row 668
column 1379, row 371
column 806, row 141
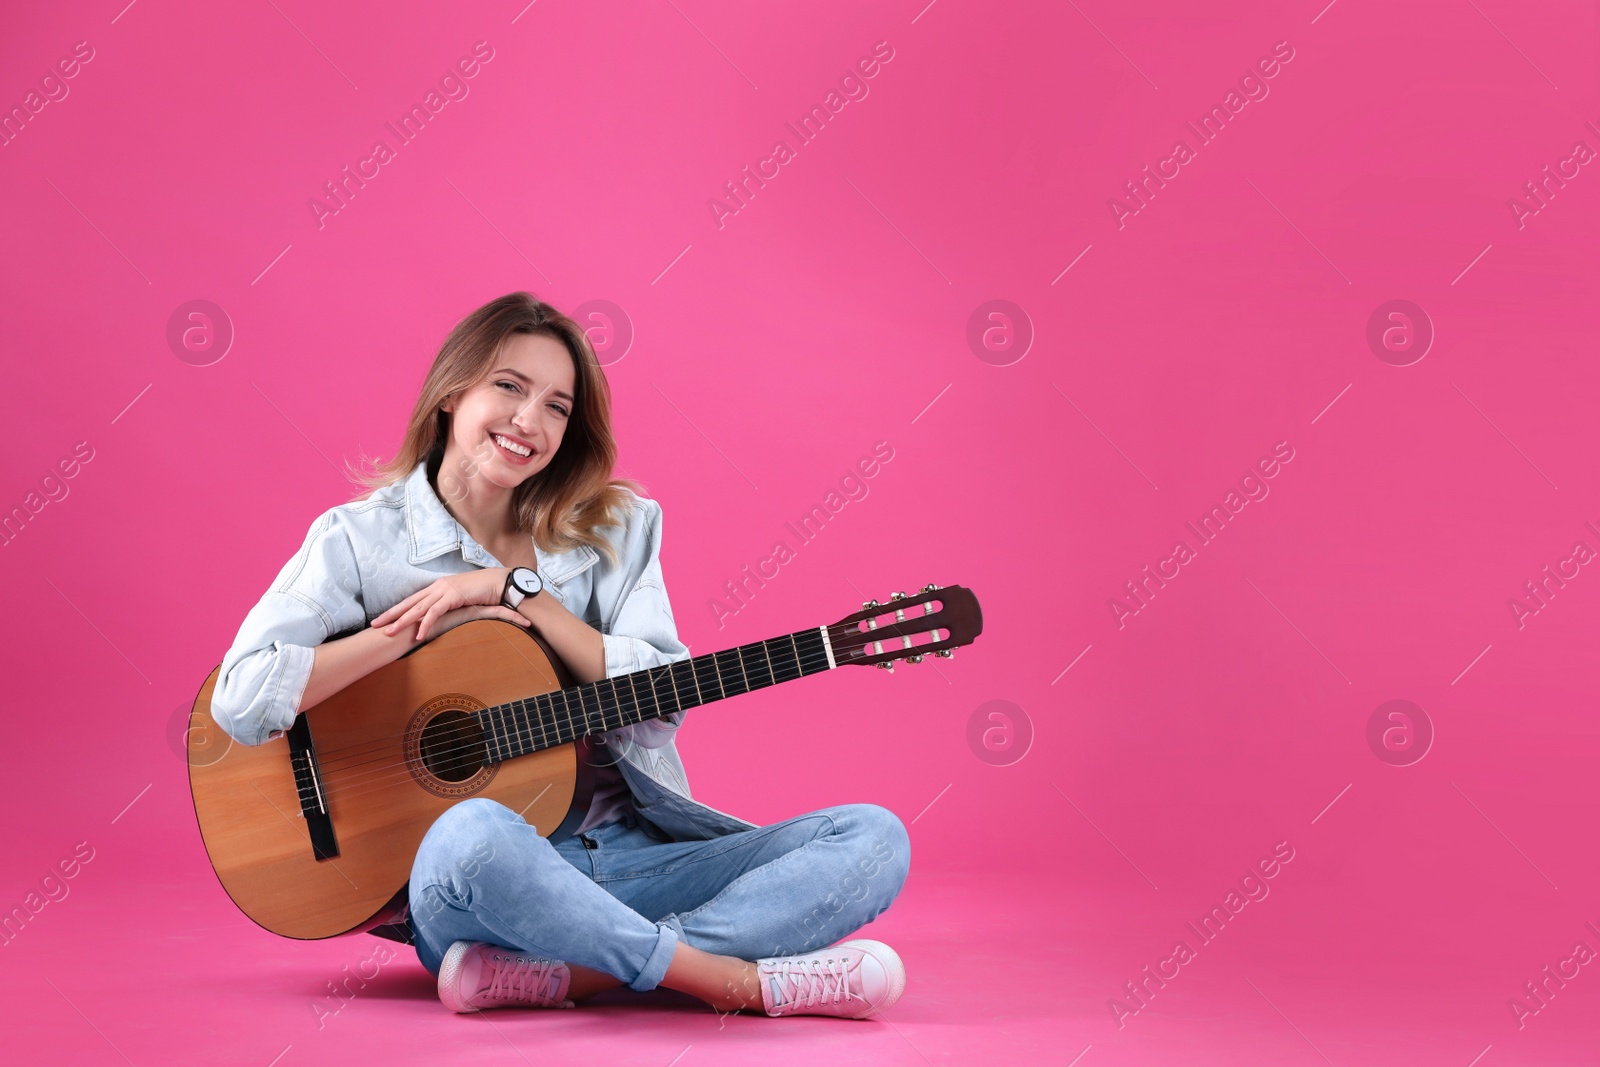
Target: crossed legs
column 638, row 911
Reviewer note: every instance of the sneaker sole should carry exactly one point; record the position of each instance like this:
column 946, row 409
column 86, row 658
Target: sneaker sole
column 890, row 959
column 450, row 978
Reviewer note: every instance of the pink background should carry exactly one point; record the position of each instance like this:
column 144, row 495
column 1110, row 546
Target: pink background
column 772, row 352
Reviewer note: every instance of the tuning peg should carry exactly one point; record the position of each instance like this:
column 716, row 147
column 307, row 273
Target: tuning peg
column 914, row 659
column 929, row 588
column 947, row 653
column 869, row 603
column 887, row 665
column 897, row 596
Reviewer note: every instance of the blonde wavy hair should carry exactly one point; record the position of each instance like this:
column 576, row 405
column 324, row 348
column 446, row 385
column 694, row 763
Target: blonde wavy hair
column 563, row 504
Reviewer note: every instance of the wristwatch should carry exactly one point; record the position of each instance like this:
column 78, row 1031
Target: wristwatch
column 521, row 583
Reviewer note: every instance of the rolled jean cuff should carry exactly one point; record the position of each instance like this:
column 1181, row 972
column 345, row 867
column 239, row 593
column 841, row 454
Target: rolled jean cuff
column 655, row 968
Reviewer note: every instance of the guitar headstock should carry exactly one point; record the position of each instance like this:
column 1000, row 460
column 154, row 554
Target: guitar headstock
column 932, row 622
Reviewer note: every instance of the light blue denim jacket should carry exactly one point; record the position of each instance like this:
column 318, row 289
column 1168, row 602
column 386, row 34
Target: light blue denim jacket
column 361, row 558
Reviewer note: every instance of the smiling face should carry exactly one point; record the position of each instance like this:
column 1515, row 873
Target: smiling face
column 508, row 426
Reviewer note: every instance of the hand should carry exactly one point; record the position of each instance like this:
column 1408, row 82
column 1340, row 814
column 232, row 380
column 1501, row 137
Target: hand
column 431, row 606
column 451, row 619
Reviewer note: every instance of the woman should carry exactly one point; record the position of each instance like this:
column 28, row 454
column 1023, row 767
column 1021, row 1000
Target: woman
column 501, row 505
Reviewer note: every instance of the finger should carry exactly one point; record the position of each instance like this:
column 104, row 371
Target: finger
column 403, row 622
column 415, row 612
column 394, row 615
column 434, row 613
column 397, row 614
column 397, row 610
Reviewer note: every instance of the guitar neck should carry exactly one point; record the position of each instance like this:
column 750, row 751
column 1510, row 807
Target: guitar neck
column 565, row 715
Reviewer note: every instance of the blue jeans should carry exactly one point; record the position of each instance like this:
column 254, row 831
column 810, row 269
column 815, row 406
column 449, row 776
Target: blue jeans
column 619, row 898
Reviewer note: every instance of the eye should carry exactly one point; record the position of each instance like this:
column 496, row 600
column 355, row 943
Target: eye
column 510, row 385
column 560, row 410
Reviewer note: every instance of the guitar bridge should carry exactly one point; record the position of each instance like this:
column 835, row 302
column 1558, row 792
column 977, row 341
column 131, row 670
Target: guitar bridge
column 308, row 783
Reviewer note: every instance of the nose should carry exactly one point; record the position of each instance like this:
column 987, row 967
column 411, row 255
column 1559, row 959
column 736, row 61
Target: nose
column 526, row 416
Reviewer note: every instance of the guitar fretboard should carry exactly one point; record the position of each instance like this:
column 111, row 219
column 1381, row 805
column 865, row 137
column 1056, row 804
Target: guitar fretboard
column 565, row 715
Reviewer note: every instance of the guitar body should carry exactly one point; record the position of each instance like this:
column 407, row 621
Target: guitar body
column 390, row 752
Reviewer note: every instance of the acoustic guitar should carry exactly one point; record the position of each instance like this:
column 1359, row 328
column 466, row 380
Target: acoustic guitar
column 313, row 833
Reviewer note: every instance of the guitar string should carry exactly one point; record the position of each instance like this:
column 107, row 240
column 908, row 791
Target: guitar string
column 386, row 769
column 380, row 778
column 341, row 756
column 542, row 723
column 381, row 750
column 812, row 660
column 352, row 755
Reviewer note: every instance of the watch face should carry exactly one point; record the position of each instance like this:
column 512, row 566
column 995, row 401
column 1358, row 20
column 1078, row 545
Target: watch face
column 527, row 582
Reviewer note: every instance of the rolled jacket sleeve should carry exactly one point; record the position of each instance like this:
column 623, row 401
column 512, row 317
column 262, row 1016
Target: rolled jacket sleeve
column 642, row 633
column 264, row 673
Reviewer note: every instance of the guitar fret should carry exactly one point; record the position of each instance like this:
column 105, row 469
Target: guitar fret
column 567, row 714
column 673, row 673
column 627, row 711
column 508, row 716
column 519, row 712
column 505, row 741
column 677, row 705
column 616, row 702
column 638, row 713
column 624, row 695
column 717, row 663
column 813, row 642
column 607, row 712
column 755, row 665
column 649, row 707
column 710, row 662
column 766, row 657
column 655, row 699
column 695, row 666
column 584, row 695
column 799, row 669
column 486, row 721
column 744, row 675
column 695, row 678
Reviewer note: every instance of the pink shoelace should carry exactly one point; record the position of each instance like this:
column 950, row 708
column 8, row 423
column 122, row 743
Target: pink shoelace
column 521, row 978
column 811, row 982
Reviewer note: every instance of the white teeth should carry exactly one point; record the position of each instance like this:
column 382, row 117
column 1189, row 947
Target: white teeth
column 511, row 446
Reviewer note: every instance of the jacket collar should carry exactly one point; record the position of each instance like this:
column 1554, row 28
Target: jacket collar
column 433, row 531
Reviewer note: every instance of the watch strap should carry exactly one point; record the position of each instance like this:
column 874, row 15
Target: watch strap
column 509, row 592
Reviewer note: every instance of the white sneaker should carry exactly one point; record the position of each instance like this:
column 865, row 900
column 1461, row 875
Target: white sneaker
column 851, row 980
column 477, row 975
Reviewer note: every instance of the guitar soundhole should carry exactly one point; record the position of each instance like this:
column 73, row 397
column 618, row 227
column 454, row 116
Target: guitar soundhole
column 445, row 747
column 452, row 746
